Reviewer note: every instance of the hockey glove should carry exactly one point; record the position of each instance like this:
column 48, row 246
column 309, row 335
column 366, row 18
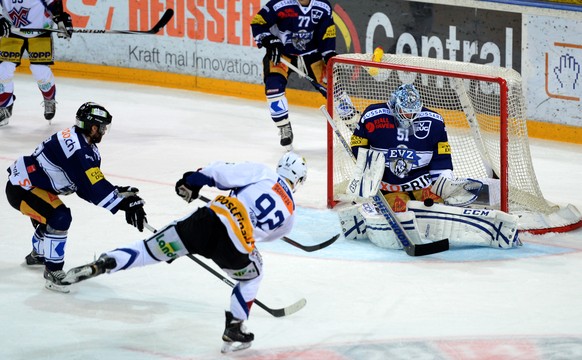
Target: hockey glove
column 187, row 191
column 328, row 56
column 65, row 25
column 134, row 212
column 126, row 191
column 274, row 48
column 4, row 27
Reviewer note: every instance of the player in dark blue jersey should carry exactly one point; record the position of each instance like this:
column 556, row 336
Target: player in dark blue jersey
column 302, row 32
column 414, row 141
column 65, row 163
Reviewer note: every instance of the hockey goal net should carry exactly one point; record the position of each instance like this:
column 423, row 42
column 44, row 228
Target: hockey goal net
column 484, row 112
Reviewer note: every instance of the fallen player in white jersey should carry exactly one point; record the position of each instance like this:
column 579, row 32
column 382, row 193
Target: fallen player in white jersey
column 260, row 207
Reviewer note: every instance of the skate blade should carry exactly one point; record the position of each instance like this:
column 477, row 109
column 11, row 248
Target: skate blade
column 78, row 274
column 57, row 288
column 232, row 346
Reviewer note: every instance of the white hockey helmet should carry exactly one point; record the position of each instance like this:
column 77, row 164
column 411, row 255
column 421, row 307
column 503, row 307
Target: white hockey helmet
column 406, row 104
column 292, row 167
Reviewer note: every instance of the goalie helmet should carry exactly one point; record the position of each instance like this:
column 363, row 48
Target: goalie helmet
column 292, row 167
column 90, row 114
column 406, row 104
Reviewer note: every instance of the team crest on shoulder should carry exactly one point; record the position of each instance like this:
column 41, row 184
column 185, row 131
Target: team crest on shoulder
column 401, row 160
column 421, row 128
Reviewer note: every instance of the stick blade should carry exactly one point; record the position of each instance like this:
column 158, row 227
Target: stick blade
column 291, row 309
column 429, row 248
column 165, row 19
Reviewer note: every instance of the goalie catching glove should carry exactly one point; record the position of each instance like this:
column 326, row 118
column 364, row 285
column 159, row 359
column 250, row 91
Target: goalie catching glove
column 135, row 215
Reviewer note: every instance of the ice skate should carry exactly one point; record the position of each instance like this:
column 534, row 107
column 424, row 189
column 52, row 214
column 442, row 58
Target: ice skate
column 91, row 270
column 235, row 336
column 5, row 114
column 55, row 281
column 286, row 133
column 50, row 109
column 34, row 259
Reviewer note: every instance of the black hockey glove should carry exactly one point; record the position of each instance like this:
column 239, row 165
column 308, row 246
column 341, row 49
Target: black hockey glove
column 126, row 191
column 274, row 48
column 134, row 212
column 328, row 56
column 186, row 191
column 5, row 26
column 65, row 25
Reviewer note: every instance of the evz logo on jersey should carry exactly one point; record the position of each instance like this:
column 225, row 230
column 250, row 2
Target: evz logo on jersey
column 19, row 17
column 422, row 128
column 301, row 38
column 401, row 160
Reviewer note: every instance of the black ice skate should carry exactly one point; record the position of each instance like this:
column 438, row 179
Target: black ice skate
column 50, row 108
column 235, row 336
column 55, row 281
column 34, row 258
column 286, row 133
column 91, row 270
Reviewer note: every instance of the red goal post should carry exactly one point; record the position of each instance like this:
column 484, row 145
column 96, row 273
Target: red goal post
column 484, row 111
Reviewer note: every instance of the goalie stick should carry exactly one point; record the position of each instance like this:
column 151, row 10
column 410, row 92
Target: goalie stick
column 322, row 90
column 410, row 247
column 307, row 248
column 286, row 311
column 166, row 17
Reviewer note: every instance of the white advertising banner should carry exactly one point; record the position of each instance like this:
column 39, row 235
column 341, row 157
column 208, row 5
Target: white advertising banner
column 209, row 39
column 552, row 62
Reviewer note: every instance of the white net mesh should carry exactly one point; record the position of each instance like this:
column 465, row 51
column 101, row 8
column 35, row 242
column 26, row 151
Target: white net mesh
column 471, row 108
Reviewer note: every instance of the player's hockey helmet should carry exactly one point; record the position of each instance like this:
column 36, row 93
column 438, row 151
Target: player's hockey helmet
column 406, row 104
column 90, row 114
column 293, row 168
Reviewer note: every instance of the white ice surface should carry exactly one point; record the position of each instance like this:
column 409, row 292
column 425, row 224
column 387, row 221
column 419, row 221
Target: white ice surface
column 363, row 302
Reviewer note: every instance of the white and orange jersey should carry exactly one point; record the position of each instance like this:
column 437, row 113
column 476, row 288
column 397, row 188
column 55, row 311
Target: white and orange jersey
column 267, row 200
column 28, row 13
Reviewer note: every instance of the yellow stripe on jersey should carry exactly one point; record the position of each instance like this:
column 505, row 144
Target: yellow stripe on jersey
column 94, row 174
column 358, row 141
column 278, row 189
column 234, row 211
column 444, row 148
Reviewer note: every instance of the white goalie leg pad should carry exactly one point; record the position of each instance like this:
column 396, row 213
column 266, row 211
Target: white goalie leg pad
column 367, row 174
column 351, row 220
column 381, row 233
column 466, row 226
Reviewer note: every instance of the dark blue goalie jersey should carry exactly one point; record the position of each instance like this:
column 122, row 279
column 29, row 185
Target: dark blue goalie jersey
column 302, row 29
column 415, row 156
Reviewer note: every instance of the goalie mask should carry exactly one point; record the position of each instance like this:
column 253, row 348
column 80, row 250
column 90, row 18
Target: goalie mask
column 90, row 114
column 292, row 167
column 406, row 104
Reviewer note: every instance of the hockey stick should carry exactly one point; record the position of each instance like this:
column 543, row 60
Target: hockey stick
column 410, row 247
column 286, row 311
column 308, row 248
column 166, row 17
column 322, row 90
